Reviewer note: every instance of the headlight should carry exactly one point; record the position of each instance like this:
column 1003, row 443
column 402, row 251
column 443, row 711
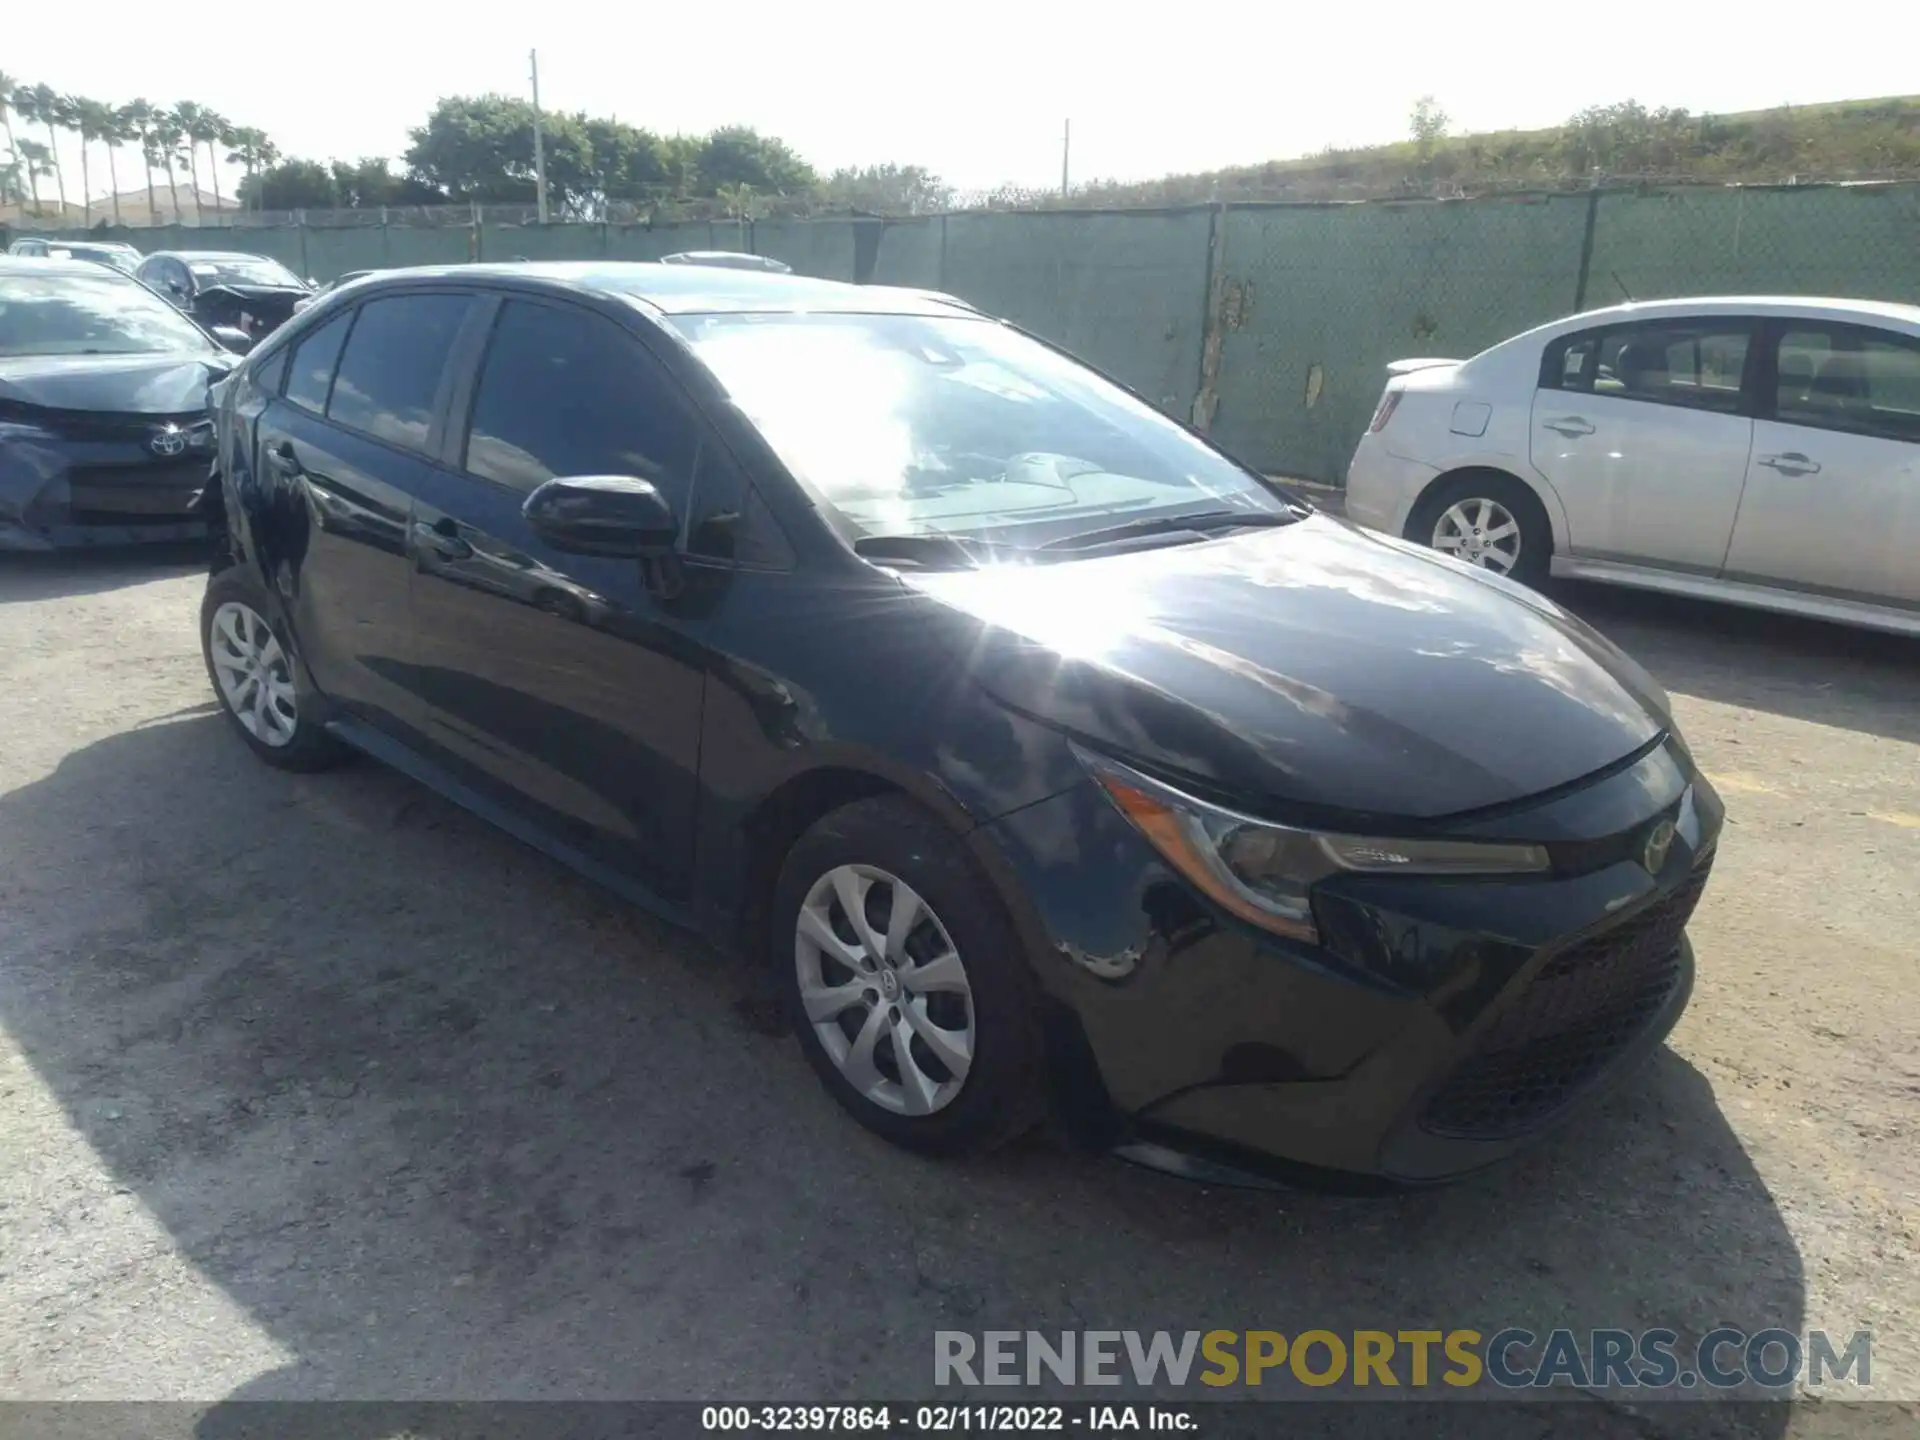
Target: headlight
column 1265, row 873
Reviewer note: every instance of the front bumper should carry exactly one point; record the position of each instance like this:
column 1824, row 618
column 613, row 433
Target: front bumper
column 56, row 496
column 1438, row 1027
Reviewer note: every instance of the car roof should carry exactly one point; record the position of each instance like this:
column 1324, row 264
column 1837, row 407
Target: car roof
column 693, row 289
column 1836, row 307
column 210, row 255
column 49, row 265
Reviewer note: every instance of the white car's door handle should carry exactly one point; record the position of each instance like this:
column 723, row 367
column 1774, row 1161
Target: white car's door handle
column 1570, row 425
column 1791, row 463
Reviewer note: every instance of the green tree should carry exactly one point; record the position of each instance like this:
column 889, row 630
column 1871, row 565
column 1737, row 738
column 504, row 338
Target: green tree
column 253, row 152
column 139, row 116
column 480, row 147
column 291, row 185
column 1428, row 125
column 888, row 190
column 171, row 135
column 738, row 155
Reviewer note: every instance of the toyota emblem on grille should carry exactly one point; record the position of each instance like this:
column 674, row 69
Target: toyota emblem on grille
column 170, row 441
column 1659, row 841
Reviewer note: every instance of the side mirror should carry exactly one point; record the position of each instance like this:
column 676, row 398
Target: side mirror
column 232, row 337
column 602, row 515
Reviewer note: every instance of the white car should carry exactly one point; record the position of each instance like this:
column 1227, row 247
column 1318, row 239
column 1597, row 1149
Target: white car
column 1760, row 451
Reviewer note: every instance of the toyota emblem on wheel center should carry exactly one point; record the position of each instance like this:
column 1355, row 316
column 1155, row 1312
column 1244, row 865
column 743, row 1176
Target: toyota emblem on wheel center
column 170, row 441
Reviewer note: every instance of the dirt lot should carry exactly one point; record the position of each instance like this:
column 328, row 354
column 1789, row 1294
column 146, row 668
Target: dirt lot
column 318, row 1087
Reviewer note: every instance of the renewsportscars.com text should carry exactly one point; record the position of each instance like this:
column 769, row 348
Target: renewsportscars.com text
column 1772, row 1360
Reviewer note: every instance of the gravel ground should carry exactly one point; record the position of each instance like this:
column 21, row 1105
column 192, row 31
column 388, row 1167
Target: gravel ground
column 315, row 1086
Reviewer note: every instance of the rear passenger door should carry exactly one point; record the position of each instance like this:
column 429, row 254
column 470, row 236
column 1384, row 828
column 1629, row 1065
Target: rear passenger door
column 1643, row 432
column 566, row 687
column 1833, row 492
column 342, row 455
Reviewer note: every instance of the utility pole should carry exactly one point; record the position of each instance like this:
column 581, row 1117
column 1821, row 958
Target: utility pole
column 1066, row 150
column 539, row 145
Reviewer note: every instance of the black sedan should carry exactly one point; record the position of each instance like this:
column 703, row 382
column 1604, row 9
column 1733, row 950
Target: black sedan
column 225, row 289
column 104, row 432
column 1047, row 755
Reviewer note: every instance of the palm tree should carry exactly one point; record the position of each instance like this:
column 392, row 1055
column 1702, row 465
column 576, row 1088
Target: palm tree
column 187, row 116
column 94, row 121
column 9, row 89
column 139, row 117
column 167, row 136
column 252, row 149
column 228, row 137
column 203, row 127
column 50, row 109
column 120, row 129
column 35, row 155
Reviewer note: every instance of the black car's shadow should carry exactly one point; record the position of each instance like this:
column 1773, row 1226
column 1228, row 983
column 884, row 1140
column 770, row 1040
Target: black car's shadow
column 445, row 1121
column 65, row 574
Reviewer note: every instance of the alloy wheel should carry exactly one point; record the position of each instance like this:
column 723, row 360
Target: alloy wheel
column 1481, row 532
column 885, row 989
column 255, row 678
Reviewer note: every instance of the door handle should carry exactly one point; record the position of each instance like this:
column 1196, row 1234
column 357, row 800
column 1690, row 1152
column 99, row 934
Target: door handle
column 1791, row 463
column 1570, row 425
column 281, row 456
column 446, row 545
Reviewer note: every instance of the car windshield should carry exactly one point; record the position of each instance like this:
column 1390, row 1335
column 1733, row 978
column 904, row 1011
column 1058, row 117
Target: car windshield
column 242, row 270
column 100, row 314
column 915, row 425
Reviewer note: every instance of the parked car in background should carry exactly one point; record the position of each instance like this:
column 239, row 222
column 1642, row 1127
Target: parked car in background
column 332, row 285
column 101, row 252
column 1759, row 451
column 249, row 293
column 728, row 260
column 1045, row 751
column 105, row 436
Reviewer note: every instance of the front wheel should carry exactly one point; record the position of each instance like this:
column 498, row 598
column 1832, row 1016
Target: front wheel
column 1486, row 519
column 906, row 986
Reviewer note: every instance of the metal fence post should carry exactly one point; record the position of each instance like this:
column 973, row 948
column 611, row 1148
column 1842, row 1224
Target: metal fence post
column 1586, row 246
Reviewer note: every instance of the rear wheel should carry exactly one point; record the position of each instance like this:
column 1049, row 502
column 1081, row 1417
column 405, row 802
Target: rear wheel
column 255, row 677
column 1486, row 519
column 905, row 983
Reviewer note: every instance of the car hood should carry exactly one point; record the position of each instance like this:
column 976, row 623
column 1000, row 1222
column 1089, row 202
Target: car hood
column 123, row 384
column 1316, row 668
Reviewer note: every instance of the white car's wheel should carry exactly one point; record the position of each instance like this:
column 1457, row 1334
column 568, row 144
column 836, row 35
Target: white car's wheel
column 1487, row 519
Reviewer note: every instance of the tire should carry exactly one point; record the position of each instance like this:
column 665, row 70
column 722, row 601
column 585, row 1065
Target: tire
column 1446, row 507
column 238, row 642
column 887, row 842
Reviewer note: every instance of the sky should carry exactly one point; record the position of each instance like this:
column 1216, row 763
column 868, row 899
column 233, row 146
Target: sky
column 977, row 92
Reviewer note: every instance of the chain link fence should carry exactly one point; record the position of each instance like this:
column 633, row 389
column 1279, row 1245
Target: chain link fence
column 1269, row 324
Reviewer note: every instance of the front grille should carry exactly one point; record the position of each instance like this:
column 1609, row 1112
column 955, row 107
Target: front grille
column 102, row 426
column 134, row 494
column 1581, row 1009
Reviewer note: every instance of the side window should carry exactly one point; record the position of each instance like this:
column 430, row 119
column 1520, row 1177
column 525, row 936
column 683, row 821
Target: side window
column 564, row 392
column 1568, row 362
column 390, row 371
column 1694, row 364
column 1838, row 377
column 310, row 372
column 267, row 374
column 727, row 520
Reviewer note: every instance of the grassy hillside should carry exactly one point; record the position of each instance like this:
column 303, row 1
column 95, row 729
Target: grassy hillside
column 1851, row 139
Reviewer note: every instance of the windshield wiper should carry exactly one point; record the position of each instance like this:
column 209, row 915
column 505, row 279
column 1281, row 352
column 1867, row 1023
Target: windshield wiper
column 1204, row 523
column 933, row 551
